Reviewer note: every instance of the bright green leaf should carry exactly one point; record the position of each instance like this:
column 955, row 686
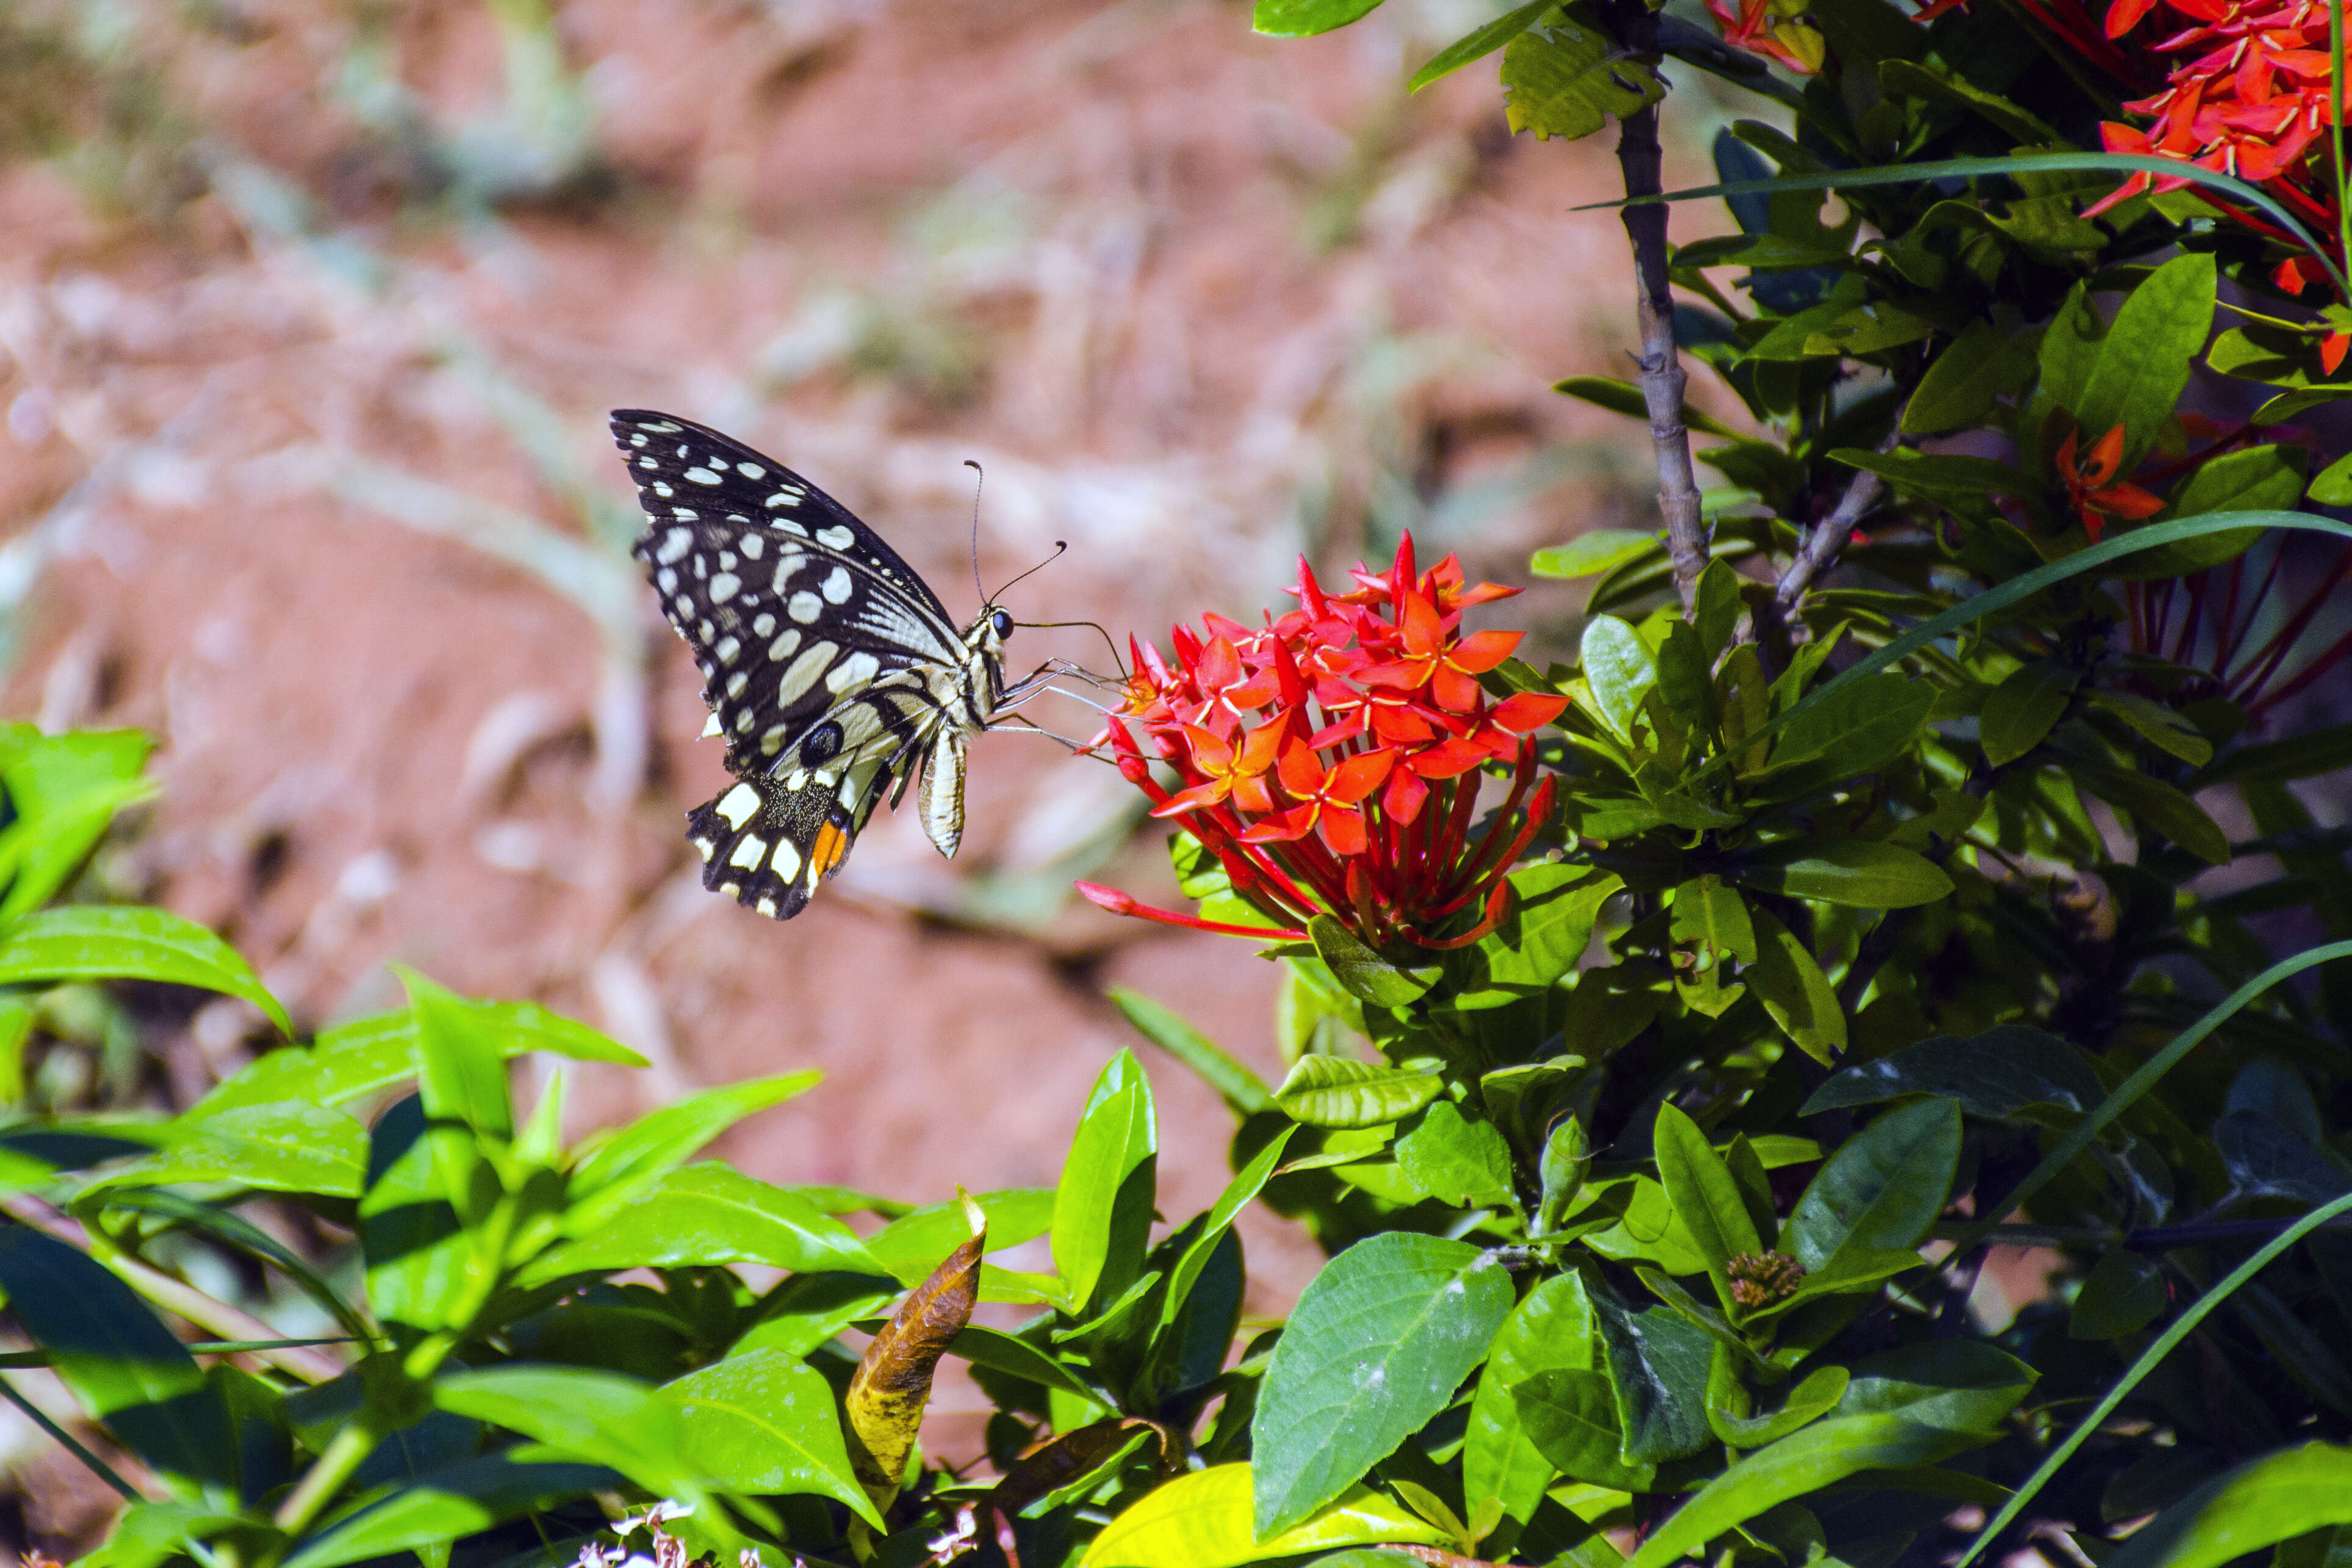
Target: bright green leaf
column 1550, row 1330
column 122, row 942
column 1102, row 1209
column 1204, row 1520
column 1340, row 1091
column 1305, row 19
column 1563, row 75
column 765, row 1422
column 1794, row 990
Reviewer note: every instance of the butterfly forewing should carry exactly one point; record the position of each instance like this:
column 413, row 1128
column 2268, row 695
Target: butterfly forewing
column 828, row 665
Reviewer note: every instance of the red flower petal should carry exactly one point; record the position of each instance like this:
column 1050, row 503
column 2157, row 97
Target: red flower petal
column 1524, row 711
column 1406, row 794
column 1447, row 760
column 1358, row 777
column 1193, row 800
column 1343, row 830
column 1481, row 650
column 2332, row 348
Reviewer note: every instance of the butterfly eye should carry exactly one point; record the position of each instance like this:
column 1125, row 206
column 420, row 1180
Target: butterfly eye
column 1002, row 622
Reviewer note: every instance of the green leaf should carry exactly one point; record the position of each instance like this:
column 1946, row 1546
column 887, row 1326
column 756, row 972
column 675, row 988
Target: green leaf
column 1657, row 1363
column 1476, row 45
column 121, row 1362
column 149, row 1534
column 1205, row 1519
column 1808, row 1461
column 1618, row 667
column 2019, row 713
column 1365, row 973
column 2143, row 362
column 2333, row 487
column 807, row 1309
column 1705, row 1196
column 1597, row 550
column 1563, row 75
column 1305, row 19
column 371, row 1054
column 1863, row 873
column 598, row 1417
column 1868, row 726
column 1958, row 1385
column 460, row 1072
column 64, row 790
column 1549, row 1331
column 1454, row 1159
column 1376, row 1347
column 1242, row 1089
column 2250, row 481
column 911, row 1247
column 1794, row 990
column 1247, row 1183
column 2263, row 1501
column 1553, row 907
column 1102, row 1209
column 1883, row 1187
column 285, row 1147
column 701, row 1216
column 1963, row 383
column 2123, row 1294
column 1571, row 1416
column 446, row 1505
column 762, row 1423
column 2158, row 806
column 665, row 1138
column 2001, row 1072
column 2158, row 725
column 1339, row 1092
column 1808, row 1402
column 121, row 942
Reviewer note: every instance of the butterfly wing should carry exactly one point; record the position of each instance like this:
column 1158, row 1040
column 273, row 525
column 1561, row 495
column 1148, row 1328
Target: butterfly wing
column 828, row 665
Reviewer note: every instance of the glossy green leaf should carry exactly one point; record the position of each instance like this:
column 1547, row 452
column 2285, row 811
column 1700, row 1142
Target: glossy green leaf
column 149, row 1534
column 1596, row 551
column 1618, row 668
column 1340, row 1091
column 122, row 942
column 910, row 1247
column 2123, row 1294
column 1377, row 1345
column 1564, row 76
column 1799, row 1407
column 2143, row 362
column 1305, row 19
column 1477, row 46
column 1204, row 1520
column 1570, row 1419
column 1367, row 975
column 1242, row 1089
column 1541, row 939
column 1804, row 1462
column 1794, row 991
column 578, row 1413
column 460, row 1071
column 1860, row 729
column 2158, row 806
column 1958, row 1385
column 1549, row 1331
column 422, row 1267
column 1102, row 1209
column 2263, row 1501
column 1657, row 1365
column 1454, row 1159
column 2158, row 725
column 1016, row 1357
column 701, row 1215
column 1883, row 1187
column 666, row 1137
column 122, row 1365
column 63, row 790
column 284, row 1147
column 2005, row 1072
column 1962, row 384
column 1705, row 1196
column 447, row 1504
column 2020, row 712
column 1247, row 1183
column 765, row 1422
column 1861, row 874
column 807, row 1309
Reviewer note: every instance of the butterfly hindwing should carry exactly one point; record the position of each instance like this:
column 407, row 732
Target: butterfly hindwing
column 768, row 843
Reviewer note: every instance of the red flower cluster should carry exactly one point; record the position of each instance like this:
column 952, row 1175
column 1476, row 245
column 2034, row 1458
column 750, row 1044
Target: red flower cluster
column 1330, row 758
column 2091, row 487
column 2251, row 99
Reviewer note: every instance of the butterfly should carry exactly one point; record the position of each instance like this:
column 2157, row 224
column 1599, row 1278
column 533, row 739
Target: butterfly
column 830, row 668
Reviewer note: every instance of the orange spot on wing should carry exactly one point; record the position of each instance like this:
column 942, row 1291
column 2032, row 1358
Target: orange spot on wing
column 825, row 854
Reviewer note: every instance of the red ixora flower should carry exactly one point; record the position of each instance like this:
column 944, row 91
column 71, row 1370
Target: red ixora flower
column 1332, row 758
column 2090, row 488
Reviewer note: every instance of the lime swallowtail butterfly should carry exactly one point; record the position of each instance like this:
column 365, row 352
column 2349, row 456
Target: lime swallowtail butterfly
column 831, row 669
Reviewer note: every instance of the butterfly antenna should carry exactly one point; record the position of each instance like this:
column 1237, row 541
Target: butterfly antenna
column 976, row 484
column 1059, row 546
column 1118, row 662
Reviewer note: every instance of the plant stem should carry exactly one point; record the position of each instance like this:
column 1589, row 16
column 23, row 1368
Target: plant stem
column 1661, row 377
column 72, row 1445
column 323, row 1479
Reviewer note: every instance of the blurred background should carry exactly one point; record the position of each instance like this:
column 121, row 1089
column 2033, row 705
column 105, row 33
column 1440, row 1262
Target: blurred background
column 310, row 312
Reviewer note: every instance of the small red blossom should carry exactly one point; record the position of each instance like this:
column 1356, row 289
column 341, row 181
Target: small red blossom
column 1754, row 25
column 1332, row 759
column 2090, row 486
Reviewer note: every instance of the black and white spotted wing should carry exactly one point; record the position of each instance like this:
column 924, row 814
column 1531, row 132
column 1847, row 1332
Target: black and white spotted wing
column 829, row 667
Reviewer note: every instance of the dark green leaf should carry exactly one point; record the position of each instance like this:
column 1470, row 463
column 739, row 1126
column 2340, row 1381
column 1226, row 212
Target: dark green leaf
column 2018, row 714
column 1866, row 727
column 1705, row 1196
column 1379, row 1342
column 2260, row 1504
column 1961, row 385
column 599, row 1417
column 1958, row 1385
column 1366, row 974
column 2158, row 806
column 1657, row 1366
column 1882, row 1189
column 1553, row 907
column 1861, row 873
column 1999, row 1072
column 1570, row 1419
column 2143, row 362
column 1794, row 991
column 2123, row 1294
